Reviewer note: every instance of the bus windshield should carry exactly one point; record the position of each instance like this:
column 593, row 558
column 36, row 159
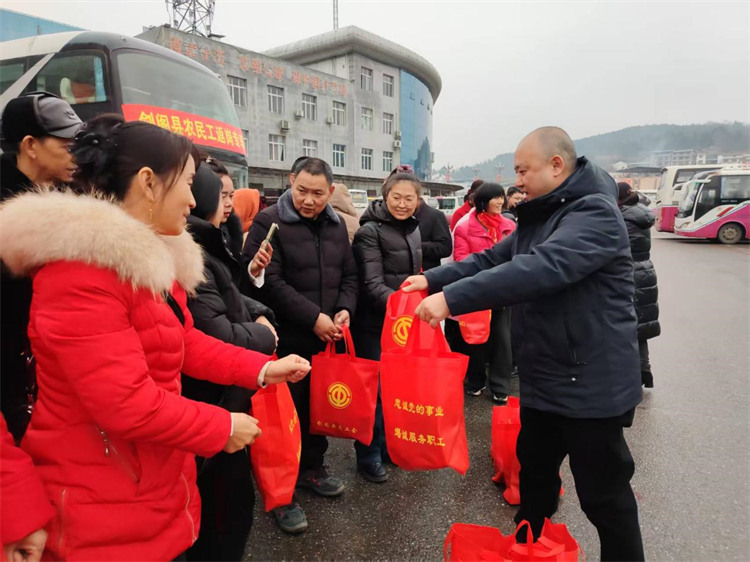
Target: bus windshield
column 688, row 202
column 447, row 204
column 359, row 197
column 151, row 80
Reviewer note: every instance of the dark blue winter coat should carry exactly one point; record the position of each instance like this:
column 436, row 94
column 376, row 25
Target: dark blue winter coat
column 568, row 273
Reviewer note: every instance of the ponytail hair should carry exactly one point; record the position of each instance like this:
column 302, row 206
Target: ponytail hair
column 109, row 152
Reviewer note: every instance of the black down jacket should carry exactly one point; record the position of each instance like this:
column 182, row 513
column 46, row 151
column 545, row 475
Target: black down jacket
column 436, row 235
column 312, row 271
column 387, row 251
column 568, row 273
column 221, row 311
column 639, row 220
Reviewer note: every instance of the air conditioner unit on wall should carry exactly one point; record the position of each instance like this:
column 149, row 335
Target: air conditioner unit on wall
column 397, row 135
column 329, row 120
column 298, row 113
column 284, row 125
column 397, row 144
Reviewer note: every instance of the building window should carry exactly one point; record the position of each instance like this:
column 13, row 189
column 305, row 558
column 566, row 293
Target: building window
column 387, row 161
column 310, row 107
column 276, row 148
column 276, row 100
column 387, row 85
column 245, row 137
column 339, row 113
column 339, row 153
column 388, row 123
column 367, row 119
column 238, row 90
column 367, row 158
column 309, row 147
column 366, row 78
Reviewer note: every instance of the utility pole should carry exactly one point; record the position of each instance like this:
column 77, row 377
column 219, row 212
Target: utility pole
column 476, row 172
column 335, row 15
column 499, row 172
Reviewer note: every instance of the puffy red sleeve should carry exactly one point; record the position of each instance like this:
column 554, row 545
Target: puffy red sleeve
column 461, row 246
column 24, row 507
column 211, row 359
column 84, row 335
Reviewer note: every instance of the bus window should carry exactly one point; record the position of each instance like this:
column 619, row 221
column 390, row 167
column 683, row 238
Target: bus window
column 707, row 199
column 75, row 78
column 683, row 175
column 735, row 189
column 155, row 81
column 10, row 71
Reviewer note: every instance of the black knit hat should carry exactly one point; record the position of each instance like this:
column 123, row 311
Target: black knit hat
column 206, row 189
column 38, row 114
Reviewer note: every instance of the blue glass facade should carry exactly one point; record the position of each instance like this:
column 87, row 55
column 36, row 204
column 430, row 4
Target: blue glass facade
column 15, row 25
column 416, row 124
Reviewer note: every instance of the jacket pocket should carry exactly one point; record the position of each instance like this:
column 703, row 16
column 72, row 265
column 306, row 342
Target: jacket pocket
column 573, row 349
column 119, row 459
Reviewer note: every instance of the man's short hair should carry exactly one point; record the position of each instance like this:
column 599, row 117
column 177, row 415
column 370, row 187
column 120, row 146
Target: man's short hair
column 313, row 166
column 555, row 141
column 512, row 190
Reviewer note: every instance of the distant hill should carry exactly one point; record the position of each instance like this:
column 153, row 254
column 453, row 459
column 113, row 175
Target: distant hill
column 635, row 144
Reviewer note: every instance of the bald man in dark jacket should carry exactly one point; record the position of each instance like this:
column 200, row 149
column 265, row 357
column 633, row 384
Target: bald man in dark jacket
column 568, row 274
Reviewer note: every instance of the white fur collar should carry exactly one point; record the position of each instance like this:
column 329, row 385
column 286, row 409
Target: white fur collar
column 46, row 226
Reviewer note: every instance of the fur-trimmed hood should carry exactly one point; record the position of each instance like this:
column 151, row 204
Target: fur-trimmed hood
column 96, row 231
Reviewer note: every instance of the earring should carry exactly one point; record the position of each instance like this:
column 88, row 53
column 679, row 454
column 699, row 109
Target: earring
column 151, row 213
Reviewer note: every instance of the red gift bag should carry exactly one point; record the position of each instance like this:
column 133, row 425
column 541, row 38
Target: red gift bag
column 475, row 326
column 399, row 315
column 506, row 423
column 466, row 543
column 276, row 453
column 343, row 393
column 423, row 403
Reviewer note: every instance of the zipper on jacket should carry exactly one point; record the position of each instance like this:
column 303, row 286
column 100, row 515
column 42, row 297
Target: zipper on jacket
column 187, row 508
column 571, row 347
column 62, row 523
column 109, row 446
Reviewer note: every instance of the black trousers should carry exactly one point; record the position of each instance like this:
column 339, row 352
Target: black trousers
column 314, row 447
column 227, row 500
column 602, row 467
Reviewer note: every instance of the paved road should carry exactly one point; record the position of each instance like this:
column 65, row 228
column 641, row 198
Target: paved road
column 689, row 440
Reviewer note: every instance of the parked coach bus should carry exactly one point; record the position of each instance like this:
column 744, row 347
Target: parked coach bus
column 716, row 207
column 669, row 192
column 109, row 73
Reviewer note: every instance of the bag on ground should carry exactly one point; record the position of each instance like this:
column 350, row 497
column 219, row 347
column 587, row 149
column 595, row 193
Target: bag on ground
column 343, row 393
column 423, row 402
column 465, row 543
column 275, row 455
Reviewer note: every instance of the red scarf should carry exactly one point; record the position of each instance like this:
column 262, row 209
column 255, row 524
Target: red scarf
column 493, row 224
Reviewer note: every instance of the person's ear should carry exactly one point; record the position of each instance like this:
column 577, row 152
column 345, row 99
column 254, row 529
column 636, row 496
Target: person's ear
column 558, row 165
column 146, row 183
column 28, row 146
column 292, row 177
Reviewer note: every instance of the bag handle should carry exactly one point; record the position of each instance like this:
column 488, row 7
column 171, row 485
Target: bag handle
column 348, row 344
column 401, row 309
column 439, row 345
column 551, row 551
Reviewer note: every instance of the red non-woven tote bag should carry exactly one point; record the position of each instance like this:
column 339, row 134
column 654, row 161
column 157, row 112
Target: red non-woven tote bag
column 423, row 402
column 506, row 424
column 399, row 315
column 275, row 455
column 475, row 326
column 466, row 543
column 343, row 393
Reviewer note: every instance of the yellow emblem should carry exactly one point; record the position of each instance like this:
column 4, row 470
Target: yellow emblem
column 339, row 395
column 400, row 329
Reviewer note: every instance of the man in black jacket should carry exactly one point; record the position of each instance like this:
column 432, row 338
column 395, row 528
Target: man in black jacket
column 37, row 130
column 436, row 235
column 311, row 285
column 568, row 273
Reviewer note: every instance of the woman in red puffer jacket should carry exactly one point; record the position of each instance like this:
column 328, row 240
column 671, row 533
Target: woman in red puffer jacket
column 484, row 227
column 111, row 437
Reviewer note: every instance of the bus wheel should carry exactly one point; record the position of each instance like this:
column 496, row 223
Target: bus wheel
column 730, row 233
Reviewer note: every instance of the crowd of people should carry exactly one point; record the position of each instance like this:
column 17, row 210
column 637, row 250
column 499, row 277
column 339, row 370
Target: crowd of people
column 135, row 331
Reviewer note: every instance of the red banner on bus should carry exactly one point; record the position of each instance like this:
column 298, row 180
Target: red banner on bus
column 201, row 130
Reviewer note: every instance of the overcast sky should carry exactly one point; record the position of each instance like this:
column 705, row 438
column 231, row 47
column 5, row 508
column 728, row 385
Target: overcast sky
column 509, row 67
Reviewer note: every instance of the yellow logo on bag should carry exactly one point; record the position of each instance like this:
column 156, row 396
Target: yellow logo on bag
column 339, row 395
column 400, row 329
